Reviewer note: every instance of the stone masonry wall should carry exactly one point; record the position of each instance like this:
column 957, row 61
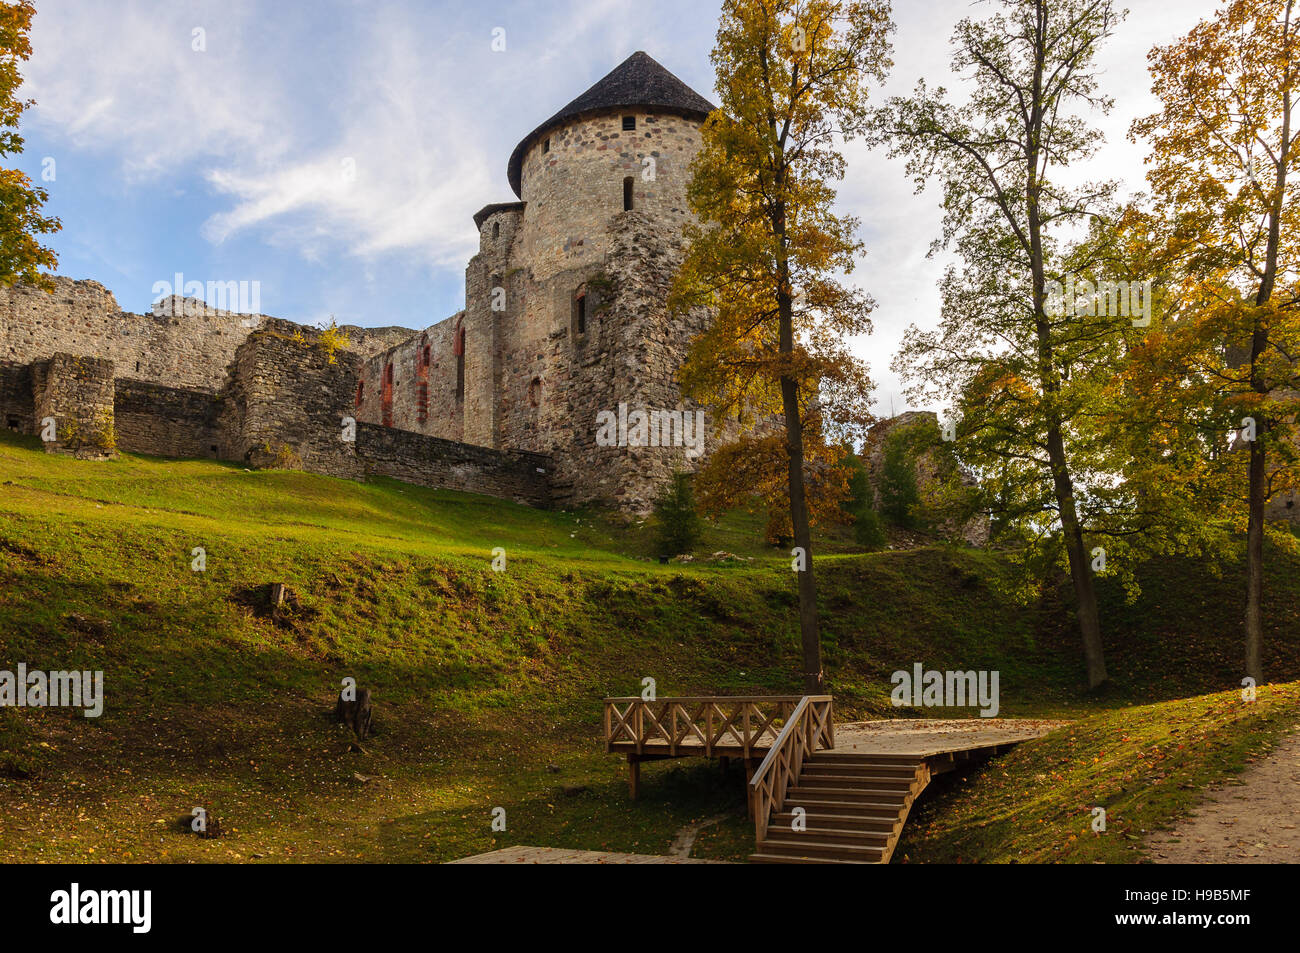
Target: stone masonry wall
column 77, row 392
column 430, row 461
column 167, row 421
column 633, row 359
column 433, row 408
column 17, row 405
column 286, row 403
column 574, row 187
column 181, row 343
column 82, row 317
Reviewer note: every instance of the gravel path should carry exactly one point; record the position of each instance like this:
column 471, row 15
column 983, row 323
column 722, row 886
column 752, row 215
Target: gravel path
column 1252, row 819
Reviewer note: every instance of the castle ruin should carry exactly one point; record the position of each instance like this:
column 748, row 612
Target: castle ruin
column 565, row 319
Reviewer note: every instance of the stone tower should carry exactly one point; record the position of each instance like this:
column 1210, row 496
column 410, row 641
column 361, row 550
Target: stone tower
column 564, row 303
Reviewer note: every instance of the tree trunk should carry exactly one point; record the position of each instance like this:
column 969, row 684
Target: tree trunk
column 814, row 682
column 1255, row 561
column 1085, row 591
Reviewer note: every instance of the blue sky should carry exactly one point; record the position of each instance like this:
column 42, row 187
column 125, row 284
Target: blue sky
column 231, row 163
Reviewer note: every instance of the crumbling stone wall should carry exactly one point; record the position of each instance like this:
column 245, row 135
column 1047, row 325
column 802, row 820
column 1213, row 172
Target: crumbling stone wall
column 287, row 402
column 17, row 403
column 933, row 476
column 431, row 461
column 83, row 317
column 167, row 421
column 76, row 393
column 423, row 394
column 182, row 342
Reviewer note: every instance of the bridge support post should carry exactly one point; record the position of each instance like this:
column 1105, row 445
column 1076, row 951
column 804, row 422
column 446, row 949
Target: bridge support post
column 633, row 775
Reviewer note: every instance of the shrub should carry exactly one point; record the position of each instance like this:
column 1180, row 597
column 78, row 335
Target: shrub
column 677, row 522
column 899, row 497
column 868, row 531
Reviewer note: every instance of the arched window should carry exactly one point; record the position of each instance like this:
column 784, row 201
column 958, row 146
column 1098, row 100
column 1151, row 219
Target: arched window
column 496, row 229
column 535, row 392
column 627, row 194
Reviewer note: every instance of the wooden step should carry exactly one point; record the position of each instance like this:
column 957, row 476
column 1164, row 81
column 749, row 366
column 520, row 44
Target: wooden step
column 801, row 845
column 764, row 858
column 819, row 805
column 891, row 760
column 797, row 795
column 869, row 781
column 827, row 835
column 835, row 769
column 885, row 820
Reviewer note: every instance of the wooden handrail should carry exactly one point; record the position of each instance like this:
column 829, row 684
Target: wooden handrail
column 809, row 727
column 695, row 699
column 744, row 725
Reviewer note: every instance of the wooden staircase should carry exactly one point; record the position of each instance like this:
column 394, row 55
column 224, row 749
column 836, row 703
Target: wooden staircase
column 854, row 807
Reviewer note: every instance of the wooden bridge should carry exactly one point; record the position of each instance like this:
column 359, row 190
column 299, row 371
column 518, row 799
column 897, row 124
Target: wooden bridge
column 811, row 801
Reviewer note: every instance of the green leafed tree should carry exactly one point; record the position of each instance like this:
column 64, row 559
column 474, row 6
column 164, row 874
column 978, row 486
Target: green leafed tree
column 1025, row 373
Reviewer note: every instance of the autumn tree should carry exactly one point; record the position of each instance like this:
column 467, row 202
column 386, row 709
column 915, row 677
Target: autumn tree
column 22, row 256
column 1223, row 146
column 1024, row 366
column 767, row 259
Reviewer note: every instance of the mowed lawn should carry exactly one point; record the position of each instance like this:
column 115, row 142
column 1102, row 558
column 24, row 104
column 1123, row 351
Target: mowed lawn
column 487, row 684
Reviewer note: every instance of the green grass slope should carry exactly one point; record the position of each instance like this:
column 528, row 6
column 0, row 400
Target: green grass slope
column 487, row 684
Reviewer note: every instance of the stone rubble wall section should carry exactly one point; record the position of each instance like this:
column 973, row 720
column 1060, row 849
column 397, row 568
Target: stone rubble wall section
column 77, row 393
column 167, row 421
column 448, row 464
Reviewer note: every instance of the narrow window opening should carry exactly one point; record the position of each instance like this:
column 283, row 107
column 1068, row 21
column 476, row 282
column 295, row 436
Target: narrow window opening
column 546, row 145
column 459, row 348
column 535, row 392
column 627, row 194
column 580, row 313
column 496, row 229
column 386, row 398
column 629, row 123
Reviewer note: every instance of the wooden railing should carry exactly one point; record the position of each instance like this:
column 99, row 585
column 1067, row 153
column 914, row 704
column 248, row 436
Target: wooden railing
column 739, row 725
column 809, row 727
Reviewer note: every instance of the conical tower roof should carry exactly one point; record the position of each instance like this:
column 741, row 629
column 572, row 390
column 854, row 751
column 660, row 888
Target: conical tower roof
column 639, row 82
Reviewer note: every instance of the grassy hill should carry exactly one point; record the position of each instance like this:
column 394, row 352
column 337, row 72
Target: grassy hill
column 487, row 684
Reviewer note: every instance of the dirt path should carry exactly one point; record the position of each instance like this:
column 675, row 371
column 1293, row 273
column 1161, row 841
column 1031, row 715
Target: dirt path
column 685, row 839
column 1252, row 819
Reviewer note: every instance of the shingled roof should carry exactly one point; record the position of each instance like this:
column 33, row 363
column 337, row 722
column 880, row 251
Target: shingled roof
column 639, row 82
